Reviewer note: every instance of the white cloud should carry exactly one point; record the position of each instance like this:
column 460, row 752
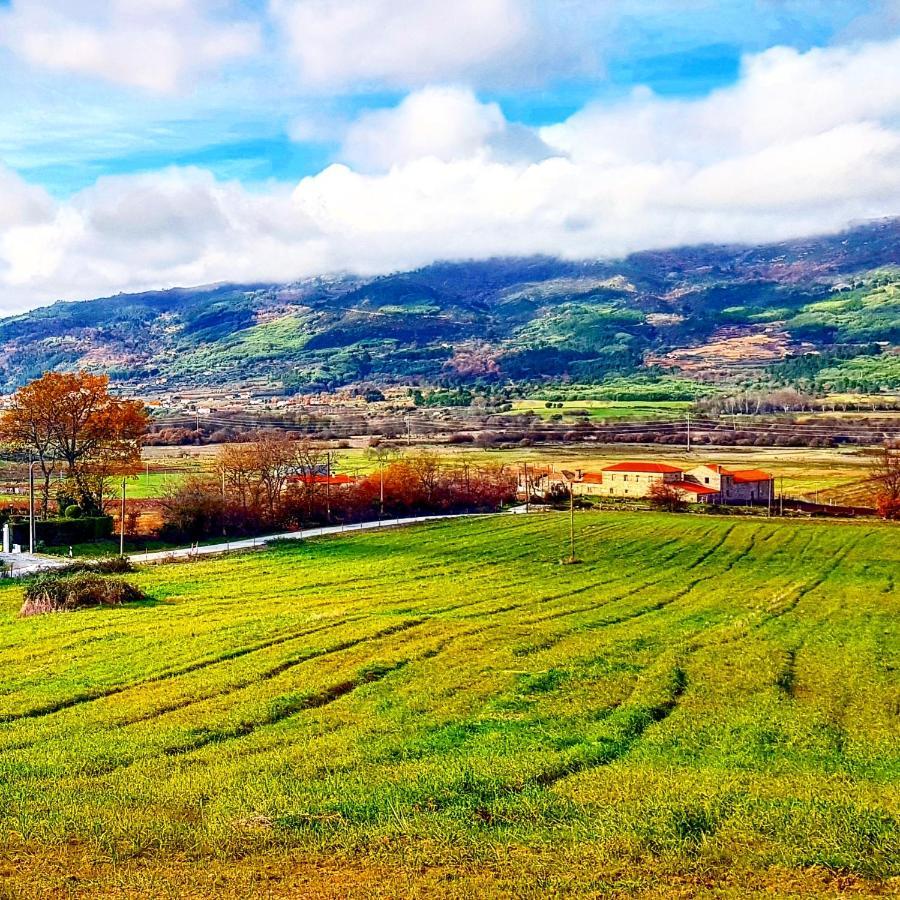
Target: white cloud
column 156, row 45
column 400, row 42
column 441, row 122
column 804, row 143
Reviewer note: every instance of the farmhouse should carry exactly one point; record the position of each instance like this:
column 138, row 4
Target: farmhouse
column 588, row 484
column 710, row 483
column 544, row 482
column 635, row 479
column 734, row 486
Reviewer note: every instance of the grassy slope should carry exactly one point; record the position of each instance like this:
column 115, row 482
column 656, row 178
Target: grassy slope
column 449, row 711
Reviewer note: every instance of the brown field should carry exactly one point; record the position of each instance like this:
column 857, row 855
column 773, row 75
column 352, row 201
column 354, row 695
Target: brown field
column 839, row 475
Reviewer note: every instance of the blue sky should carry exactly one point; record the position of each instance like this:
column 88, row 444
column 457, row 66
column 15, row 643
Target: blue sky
column 237, row 122
column 185, row 141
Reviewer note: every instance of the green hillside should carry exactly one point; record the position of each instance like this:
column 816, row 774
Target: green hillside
column 704, row 703
column 525, row 320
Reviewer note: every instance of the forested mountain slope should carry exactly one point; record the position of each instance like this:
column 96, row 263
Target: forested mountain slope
column 519, row 319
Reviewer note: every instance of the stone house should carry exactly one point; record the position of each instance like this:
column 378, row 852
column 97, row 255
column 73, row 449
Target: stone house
column 734, row 485
column 635, row 479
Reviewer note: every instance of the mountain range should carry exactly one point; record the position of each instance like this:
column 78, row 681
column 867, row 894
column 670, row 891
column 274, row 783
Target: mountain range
column 823, row 311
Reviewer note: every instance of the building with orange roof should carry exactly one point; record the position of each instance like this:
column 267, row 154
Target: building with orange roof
column 734, row 485
column 636, row 479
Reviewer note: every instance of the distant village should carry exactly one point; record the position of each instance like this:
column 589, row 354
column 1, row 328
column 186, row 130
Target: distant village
column 710, row 483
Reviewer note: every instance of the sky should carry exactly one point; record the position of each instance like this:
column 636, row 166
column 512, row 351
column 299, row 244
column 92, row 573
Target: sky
column 147, row 144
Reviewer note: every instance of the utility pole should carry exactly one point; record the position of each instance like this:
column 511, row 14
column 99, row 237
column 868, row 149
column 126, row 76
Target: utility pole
column 328, row 487
column 781, row 496
column 572, row 521
column 31, row 466
column 527, row 491
column 688, row 432
column 381, row 494
column 408, row 430
column 122, row 521
column 224, row 505
column 771, row 495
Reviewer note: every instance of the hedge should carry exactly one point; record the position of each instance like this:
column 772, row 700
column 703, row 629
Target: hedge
column 64, row 532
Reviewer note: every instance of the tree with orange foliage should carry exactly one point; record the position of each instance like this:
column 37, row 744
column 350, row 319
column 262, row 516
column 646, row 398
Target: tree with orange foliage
column 885, row 474
column 71, row 419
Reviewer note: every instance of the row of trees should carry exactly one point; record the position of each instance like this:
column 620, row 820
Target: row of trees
column 279, row 483
column 70, row 426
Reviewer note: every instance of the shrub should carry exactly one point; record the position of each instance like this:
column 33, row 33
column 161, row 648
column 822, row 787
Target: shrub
column 664, row 496
column 61, row 532
column 111, row 565
column 73, row 512
column 66, row 592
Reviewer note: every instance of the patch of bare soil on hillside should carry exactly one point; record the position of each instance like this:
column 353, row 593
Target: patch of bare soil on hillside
column 729, row 348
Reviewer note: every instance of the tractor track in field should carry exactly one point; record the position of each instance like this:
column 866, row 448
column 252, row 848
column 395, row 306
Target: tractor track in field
column 549, row 617
column 287, row 706
column 280, row 709
column 637, row 614
column 92, row 696
column 575, row 591
column 562, row 614
column 635, row 719
column 713, row 549
column 610, row 751
column 283, row 708
column 268, row 674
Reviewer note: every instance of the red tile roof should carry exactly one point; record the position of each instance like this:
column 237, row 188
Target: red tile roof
column 658, row 468
column 693, row 488
column 749, row 476
column 592, row 478
column 340, row 480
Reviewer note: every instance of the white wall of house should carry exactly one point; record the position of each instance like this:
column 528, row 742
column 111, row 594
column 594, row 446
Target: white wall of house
column 634, row 484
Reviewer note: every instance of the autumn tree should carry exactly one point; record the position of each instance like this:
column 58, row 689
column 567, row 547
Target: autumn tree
column 255, row 475
column 27, row 427
column 664, row 496
column 71, row 420
column 885, row 476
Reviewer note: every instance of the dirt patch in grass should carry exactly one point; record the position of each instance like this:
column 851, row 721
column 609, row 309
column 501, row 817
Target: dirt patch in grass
column 74, row 872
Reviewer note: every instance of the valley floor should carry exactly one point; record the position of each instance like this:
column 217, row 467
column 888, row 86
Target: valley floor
column 700, row 707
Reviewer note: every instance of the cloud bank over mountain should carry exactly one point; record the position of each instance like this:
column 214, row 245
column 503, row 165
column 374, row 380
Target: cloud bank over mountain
column 802, row 142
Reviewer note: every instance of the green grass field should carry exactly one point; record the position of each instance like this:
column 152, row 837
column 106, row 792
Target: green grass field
column 607, row 410
column 701, row 707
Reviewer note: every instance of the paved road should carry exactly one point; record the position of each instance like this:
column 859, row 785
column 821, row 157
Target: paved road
column 254, row 543
column 29, row 564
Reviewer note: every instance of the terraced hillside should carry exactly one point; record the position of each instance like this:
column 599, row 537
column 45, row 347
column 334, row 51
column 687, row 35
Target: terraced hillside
column 700, row 705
